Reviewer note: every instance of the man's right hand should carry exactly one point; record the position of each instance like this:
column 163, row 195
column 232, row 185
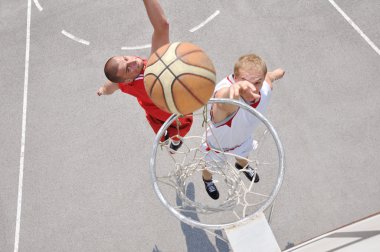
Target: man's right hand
column 244, row 89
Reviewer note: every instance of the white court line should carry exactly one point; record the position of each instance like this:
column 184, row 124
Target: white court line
column 374, row 47
column 39, row 7
column 22, row 151
column 136, row 47
column 69, row 35
column 216, row 13
column 191, row 30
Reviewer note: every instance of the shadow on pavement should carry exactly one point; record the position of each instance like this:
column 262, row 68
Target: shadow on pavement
column 197, row 239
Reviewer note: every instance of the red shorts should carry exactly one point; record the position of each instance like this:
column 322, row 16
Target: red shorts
column 181, row 129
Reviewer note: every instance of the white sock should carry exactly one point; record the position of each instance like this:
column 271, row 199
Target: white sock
column 176, row 142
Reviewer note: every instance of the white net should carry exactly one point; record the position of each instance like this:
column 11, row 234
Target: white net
column 177, row 175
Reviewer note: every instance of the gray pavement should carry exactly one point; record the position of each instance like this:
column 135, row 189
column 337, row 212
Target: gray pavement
column 86, row 184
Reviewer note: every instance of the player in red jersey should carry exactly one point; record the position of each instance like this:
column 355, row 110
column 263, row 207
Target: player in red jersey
column 127, row 74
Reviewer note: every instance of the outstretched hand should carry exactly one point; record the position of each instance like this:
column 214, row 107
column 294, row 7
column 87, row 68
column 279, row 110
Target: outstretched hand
column 108, row 88
column 100, row 91
column 244, row 88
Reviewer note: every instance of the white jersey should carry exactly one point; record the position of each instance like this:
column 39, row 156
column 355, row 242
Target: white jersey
column 234, row 134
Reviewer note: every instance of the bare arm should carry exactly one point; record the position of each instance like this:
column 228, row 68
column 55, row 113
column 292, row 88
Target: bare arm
column 221, row 111
column 159, row 22
column 108, row 88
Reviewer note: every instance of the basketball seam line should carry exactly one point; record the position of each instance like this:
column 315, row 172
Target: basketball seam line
column 167, row 67
column 159, row 58
column 151, row 90
column 188, row 90
column 157, row 77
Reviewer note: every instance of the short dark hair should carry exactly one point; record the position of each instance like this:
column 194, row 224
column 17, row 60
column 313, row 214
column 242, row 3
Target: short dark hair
column 110, row 70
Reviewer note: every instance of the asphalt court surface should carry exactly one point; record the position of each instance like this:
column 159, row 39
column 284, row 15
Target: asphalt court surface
column 86, row 185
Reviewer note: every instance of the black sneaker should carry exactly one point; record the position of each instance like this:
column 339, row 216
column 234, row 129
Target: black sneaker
column 211, row 189
column 249, row 172
column 175, row 147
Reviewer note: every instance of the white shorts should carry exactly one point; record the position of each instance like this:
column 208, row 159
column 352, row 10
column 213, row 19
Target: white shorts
column 242, row 150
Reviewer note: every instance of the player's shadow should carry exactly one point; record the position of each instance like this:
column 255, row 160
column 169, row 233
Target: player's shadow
column 197, row 239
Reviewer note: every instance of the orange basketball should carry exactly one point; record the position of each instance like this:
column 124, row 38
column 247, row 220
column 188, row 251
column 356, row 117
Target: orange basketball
column 179, row 78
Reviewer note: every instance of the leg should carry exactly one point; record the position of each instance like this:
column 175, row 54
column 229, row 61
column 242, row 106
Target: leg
column 249, row 172
column 241, row 162
column 211, row 189
column 179, row 127
column 206, row 175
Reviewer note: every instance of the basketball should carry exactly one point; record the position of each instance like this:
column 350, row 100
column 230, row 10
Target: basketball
column 179, row 78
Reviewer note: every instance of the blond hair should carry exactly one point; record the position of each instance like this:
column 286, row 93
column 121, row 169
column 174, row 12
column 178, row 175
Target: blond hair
column 248, row 61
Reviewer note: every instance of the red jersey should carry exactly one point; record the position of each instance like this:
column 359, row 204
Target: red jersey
column 155, row 116
column 136, row 88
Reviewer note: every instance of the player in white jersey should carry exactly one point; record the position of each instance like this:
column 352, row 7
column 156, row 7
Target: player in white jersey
column 231, row 128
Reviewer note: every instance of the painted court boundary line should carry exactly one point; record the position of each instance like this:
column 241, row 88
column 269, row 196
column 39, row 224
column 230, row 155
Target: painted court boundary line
column 71, row 36
column 348, row 19
column 38, row 5
column 136, row 47
column 24, row 109
column 216, row 13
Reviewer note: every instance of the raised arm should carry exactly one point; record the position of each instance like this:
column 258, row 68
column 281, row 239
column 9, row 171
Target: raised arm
column 159, row 22
column 235, row 91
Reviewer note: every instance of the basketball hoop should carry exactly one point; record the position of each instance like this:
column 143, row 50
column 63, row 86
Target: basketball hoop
column 241, row 200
